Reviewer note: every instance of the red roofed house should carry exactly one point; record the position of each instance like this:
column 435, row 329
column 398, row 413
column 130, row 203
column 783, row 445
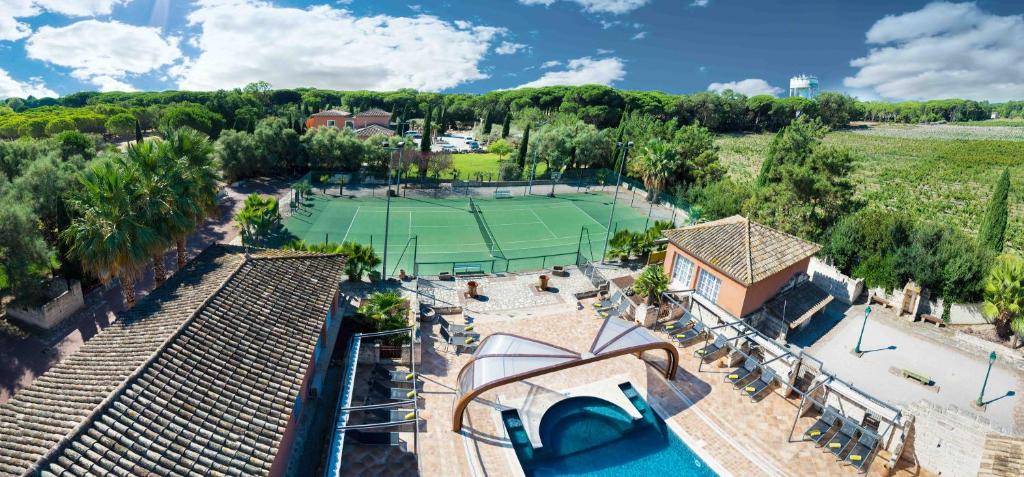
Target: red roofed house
column 741, row 265
column 364, row 123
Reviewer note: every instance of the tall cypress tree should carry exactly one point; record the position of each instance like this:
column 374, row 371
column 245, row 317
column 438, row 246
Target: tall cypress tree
column 522, row 148
column 425, row 141
column 138, row 132
column 992, row 233
column 488, row 122
column 506, row 125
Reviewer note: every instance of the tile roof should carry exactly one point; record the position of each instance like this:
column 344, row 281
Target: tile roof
column 198, row 378
column 373, row 112
column 744, row 250
column 374, row 129
column 331, row 113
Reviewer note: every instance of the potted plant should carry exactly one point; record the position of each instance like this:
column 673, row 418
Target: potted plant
column 542, row 282
column 471, row 288
column 652, row 283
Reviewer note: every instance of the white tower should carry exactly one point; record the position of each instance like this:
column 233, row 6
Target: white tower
column 804, row 86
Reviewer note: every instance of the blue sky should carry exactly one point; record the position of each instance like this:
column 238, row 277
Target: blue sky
column 873, row 49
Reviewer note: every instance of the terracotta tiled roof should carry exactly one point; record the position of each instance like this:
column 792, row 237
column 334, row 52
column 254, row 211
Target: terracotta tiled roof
column 744, row 250
column 373, row 112
column 331, row 113
column 373, row 129
column 199, row 378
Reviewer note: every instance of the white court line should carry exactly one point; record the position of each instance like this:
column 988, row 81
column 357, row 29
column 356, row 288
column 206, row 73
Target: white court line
column 599, row 224
column 542, row 223
column 410, row 223
column 350, row 222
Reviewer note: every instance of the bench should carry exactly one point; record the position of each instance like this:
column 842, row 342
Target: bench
column 467, row 269
column 908, row 374
column 502, row 194
column 933, row 319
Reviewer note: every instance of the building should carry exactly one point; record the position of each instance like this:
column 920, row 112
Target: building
column 804, row 86
column 364, row 123
column 738, row 264
column 209, row 374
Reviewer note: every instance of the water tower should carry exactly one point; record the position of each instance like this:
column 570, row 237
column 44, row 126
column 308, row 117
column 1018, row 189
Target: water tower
column 804, row 86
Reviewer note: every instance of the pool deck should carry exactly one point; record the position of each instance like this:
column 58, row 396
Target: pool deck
column 732, row 434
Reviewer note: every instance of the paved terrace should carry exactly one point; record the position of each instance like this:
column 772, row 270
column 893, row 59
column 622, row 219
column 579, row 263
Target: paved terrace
column 727, row 430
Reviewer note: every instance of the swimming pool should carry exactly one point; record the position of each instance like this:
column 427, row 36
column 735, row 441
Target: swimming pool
column 587, row 436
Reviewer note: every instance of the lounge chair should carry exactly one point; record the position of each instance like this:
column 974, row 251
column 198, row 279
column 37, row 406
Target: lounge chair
column 760, row 385
column 862, row 451
column 610, row 303
column 454, row 329
column 710, row 350
column 689, row 335
column 842, row 439
column 677, row 326
column 825, row 423
column 376, row 438
column 740, row 375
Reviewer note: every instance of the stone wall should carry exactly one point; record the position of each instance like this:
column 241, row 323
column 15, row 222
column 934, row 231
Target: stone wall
column 68, row 299
column 948, row 439
column 830, row 279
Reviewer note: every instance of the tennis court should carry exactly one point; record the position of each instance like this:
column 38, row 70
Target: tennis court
column 428, row 236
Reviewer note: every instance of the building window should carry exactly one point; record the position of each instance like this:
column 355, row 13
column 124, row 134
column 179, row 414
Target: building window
column 331, row 123
column 350, row 124
column 682, row 272
column 708, row 286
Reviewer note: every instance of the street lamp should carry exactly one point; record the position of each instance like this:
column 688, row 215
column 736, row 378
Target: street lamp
column 387, row 214
column 991, row 360
column 867, row 311
column 533, row 171
column 622, row 164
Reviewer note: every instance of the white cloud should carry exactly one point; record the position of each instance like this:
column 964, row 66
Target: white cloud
column 616, row 7
column 748, row 87
column 245, row 41
column 602, row 51
column 11, row 88
column 550, row 64
column 584, row 70
column 639, row 36
column 106, row 83
column 509, row 48
column 10, row 10
column 944, row 50
column 103, row 53
column 700, row 3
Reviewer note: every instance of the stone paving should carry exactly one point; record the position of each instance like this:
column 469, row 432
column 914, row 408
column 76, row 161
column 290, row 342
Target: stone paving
column 735, row 435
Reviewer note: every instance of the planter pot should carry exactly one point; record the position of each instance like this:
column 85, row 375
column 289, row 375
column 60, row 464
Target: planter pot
column 542, row 282
column 402, row 276
column 559, row 271
column 446, row 276
column 374, row 276
column 471, row 288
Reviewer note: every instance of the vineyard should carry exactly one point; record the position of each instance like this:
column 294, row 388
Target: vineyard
column 908, row 169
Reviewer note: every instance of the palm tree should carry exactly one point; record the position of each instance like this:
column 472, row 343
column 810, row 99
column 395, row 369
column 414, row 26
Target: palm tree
column 652, row 283
column 657, row 163
column 156, row 182
column 359, row 259
column 1004, row 297
column 110, row 235
column 196, row 185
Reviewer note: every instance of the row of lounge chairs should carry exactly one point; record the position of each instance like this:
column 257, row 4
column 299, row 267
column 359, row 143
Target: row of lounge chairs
column 461, row 337
column 844, row 438
column 753, row 378
column 617, row 306
column 386, row 384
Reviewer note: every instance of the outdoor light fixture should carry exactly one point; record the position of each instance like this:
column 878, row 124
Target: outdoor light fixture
column 867, row 311
column 991, row 360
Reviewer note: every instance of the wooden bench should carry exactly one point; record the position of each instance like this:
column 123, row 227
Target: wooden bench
column 467, row 269
column 502, row 194
column 908, row 374
column 933, row 319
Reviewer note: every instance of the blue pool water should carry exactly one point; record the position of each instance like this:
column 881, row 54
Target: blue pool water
column 588, row 436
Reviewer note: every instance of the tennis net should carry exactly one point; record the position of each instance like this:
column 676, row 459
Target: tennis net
column 485, row 230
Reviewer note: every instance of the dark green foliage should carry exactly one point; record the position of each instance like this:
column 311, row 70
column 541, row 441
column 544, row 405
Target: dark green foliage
column 138, row 132
column 506, row 125
column 121, row 125
column 523, row 146
column 23, row 253
column 258, row 218
column 194, row 116
column 720, row 199
column 74, row 143
column 992, row 233
column 488, row 122
column 425, row 141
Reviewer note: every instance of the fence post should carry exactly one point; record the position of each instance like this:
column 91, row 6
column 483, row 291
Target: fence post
column 325, row 238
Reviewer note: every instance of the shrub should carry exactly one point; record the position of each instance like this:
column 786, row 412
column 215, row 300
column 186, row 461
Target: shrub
column 59, row 125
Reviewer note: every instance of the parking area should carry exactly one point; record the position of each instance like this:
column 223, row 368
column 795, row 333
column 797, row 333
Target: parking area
column 453, row 142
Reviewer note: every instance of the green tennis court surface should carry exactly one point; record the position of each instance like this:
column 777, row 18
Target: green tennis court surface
column 513, row 234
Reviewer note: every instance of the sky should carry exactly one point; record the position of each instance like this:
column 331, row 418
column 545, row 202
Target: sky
column 872, row 49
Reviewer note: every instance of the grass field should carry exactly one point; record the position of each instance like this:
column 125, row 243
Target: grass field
column 484, row 163
column 514, row 234
column 948, row 180
column 1014, row 123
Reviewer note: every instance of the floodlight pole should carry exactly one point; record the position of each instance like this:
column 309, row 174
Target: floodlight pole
column 867, row 311
column 533, row 172
column 622, row 164
column 387, row 214
column 991, row 360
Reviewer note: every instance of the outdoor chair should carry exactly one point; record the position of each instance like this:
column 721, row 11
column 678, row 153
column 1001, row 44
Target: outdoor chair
column 681, row 324
column 463, row 342
column 403, row 394
column 839, row 442
column 740, row 375
column 825, row 423
column 689, row 335
column 862, row 451
column 760, row 385
column 620, row 311
column 712, row 349
column 453, row 329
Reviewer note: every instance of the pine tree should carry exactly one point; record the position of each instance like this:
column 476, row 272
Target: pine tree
column 425, row 141
column 488, row 122
column 522, row 148
column 992, row 233
column 442, row 120
column 506, row 125
column 138, row 133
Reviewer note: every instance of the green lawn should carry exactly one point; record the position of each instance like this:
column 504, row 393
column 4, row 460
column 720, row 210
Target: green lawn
column 484, row 163
column 1018, row 123
column 949, row 180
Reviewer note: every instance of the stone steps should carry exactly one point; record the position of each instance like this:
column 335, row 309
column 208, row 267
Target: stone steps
column 1003, row 457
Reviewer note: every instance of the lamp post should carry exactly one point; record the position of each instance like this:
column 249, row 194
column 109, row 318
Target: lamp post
column 387, row 213
column 867, row 311
column 991, row 360
column 533, row 171
column 622, row 164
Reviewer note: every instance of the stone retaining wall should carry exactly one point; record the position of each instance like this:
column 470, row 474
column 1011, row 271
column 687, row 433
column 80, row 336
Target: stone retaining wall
column 948, row 439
